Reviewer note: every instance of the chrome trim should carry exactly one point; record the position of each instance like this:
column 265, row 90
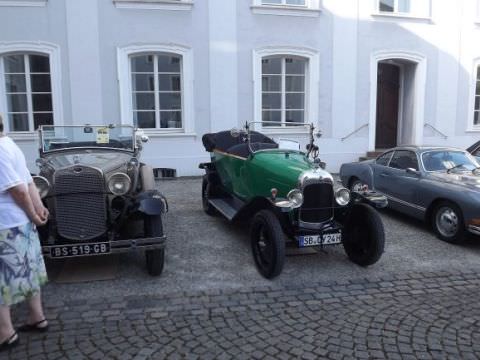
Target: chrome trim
column 317, row 175
column 403, row 202
column 46, row 181
column 474, row 229
column 122, row 174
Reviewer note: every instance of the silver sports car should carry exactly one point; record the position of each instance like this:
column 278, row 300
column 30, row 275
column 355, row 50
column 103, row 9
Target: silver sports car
column 436, row 184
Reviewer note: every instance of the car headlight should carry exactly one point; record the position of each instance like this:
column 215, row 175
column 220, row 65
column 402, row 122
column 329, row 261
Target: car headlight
column 295, row 197
column 42, row 184
column 119, row 183
column 342, row 196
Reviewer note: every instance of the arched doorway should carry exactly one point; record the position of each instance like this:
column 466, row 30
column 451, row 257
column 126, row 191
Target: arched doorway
column 397, row 99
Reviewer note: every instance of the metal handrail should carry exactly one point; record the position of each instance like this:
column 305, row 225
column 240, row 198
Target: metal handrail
column 354, row 132
column 445, row 137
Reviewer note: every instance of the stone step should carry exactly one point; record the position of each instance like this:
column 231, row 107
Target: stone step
column 371, row 154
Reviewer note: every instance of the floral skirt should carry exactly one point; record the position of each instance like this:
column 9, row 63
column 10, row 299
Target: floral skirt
column 22, row 270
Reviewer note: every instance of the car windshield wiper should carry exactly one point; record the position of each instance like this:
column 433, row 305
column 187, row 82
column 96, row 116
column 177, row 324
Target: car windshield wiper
column 454, row 167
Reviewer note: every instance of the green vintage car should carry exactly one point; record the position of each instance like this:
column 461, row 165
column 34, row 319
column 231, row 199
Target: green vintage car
column 288, row 197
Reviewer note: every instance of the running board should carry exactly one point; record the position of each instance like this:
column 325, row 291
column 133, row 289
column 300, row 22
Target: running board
column 228, row 207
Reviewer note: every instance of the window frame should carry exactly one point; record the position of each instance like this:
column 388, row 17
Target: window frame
column 39, row 48
column 312, row 89
column 400, row 15
column 312, row 8
column 471, row 127
column 403, row 150
column 390, row 153
column 124, row 55
column 283, row 91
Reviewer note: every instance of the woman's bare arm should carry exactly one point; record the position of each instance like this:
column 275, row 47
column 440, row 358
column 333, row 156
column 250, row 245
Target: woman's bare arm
column 37, row 201
column 21, row 196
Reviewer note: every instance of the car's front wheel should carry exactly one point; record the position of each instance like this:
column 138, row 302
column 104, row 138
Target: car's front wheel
column 364, row 235
column 268, row 244
column 447, row 221
column 155, row 258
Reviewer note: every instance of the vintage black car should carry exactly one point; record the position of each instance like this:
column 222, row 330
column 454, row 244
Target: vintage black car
column 101, row 198
column 286, row 193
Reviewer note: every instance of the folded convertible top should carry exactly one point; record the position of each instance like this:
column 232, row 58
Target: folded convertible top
column 223, row 140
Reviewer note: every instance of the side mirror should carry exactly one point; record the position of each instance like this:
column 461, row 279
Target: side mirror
column 235, row 132
column 144, row 138
column 412, row 171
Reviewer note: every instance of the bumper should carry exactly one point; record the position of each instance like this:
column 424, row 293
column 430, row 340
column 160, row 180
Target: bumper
column 474, row 229
column 115, row 247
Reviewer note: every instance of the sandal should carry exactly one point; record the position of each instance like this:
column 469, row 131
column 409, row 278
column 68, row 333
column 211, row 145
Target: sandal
column 11, row 342
column 34, row 327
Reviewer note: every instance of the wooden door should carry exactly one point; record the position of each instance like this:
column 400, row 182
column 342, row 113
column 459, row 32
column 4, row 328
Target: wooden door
column 388, row 85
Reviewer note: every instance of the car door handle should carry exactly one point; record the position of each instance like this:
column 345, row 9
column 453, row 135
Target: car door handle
column 384, row 175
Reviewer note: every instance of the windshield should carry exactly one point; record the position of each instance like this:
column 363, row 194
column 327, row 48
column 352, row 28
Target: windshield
column 448, row 160
column 67, row 137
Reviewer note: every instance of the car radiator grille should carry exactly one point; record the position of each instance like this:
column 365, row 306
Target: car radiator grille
column 317, row 203
column 81, row 212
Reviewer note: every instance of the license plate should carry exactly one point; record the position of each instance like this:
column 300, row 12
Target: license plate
column 317, row 240
column 79, row 250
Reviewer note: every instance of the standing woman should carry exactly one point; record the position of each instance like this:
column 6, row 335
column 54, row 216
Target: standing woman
column 22, row 270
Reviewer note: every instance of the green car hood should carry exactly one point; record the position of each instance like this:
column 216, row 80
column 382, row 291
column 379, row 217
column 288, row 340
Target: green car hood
column 275, row 169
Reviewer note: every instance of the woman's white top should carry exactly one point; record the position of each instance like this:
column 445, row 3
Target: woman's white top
column 13, row 172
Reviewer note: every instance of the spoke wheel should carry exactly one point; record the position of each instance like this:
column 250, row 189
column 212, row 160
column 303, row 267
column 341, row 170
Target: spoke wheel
column 448, row 222
column 268, row 244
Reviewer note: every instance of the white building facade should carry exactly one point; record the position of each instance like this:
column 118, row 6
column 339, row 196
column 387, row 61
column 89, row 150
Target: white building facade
column 371, row 74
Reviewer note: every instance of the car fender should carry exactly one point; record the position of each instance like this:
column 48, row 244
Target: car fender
column 152, row 202
column 360, row 170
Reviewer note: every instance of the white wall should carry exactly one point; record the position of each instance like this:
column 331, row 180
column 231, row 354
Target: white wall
column 223, row 37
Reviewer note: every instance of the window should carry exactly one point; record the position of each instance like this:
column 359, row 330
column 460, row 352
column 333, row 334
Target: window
column 28, row 91
column 404, row 159
column 285, row 2
column 476, row 108
column 283, row 90
column 156, row 90
column 384, row 159
column 416, row 8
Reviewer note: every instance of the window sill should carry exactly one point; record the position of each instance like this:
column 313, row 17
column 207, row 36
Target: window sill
column 473, row 130
column 23, row 135
column 280, row 131
column 427, row 19
column 159, row 133
column 154, row 4
column 285, row 10
column 24, row 3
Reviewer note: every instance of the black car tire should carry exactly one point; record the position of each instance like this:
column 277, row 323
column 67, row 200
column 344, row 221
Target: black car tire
column 445, row 210
column 155, row 258
column 364, row 235
column 268, row 244
column 206, row 193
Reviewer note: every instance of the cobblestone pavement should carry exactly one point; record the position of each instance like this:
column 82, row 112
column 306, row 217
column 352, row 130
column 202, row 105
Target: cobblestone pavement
column 415, row 316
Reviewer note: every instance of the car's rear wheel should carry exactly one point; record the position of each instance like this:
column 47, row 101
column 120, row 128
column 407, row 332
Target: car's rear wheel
column 155, row 258
column 364, row 235
column 268, row 244
column 206, row 193
column 447, row 221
